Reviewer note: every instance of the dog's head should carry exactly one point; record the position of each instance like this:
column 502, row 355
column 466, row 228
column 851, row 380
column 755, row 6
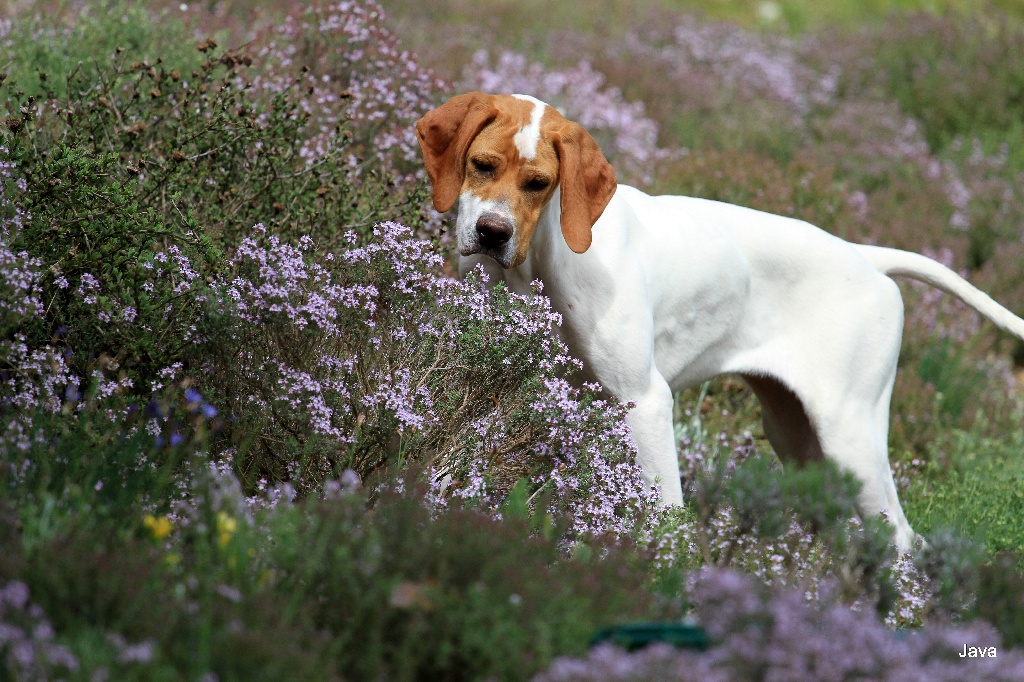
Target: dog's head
column 502, row 157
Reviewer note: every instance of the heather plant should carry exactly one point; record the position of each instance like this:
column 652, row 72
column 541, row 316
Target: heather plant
column 404, row 590
column 799, row 528
column 759, row 634
column 366, row 359
column 787, row 527
column 132, row 273
column 135, row 182
column 359, row 72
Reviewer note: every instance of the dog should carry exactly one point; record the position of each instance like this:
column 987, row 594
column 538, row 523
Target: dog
column 660, row 293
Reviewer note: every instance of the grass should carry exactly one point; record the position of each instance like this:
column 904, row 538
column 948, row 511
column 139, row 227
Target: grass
column 979, row 493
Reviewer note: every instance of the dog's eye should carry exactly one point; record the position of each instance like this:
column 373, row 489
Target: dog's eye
column 483, row 166
column 536, row 184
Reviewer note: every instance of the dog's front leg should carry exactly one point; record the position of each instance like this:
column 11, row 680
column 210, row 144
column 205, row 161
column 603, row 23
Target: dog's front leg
column 619, row 354
column 651, row 424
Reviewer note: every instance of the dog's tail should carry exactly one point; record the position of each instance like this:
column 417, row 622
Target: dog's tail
column 898, row 263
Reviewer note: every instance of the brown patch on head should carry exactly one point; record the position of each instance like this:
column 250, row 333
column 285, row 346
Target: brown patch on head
column 497, row 171
column 470, row 145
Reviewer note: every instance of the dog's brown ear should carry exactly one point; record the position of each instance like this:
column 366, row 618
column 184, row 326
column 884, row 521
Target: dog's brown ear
column 445, row 135
column 586, row 180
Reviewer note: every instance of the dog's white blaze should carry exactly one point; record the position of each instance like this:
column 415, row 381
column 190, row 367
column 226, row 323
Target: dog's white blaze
column 471, row 207
column 528, row 137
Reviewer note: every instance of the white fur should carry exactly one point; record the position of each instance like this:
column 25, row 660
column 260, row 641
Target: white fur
column 676, row 290
column 528, row 137
column 471, row 207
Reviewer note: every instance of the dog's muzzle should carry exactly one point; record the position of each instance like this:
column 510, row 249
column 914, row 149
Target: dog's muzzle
column 493, row 237
column 493, row 230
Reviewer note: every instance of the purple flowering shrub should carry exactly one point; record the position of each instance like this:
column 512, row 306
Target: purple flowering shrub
column 356, row 69
column 795, row 528
column 27, row 646
column 120, row 207
column 761, row 634
column 30, row 378
column 125, row 192
column 49, row 391
column 366, row 359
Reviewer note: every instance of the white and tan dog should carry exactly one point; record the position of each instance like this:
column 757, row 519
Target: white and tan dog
column 661, row 293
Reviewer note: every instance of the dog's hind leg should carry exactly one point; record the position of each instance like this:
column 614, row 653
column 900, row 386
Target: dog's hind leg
column 853, row 416
column 856, row 441
column 858, row 445
column 834, row 402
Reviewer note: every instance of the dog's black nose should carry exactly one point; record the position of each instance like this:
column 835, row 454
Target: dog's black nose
column 494, row 230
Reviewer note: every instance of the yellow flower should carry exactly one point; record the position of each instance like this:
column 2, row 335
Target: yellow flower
column 226, row 527
column 159, row 526
column 266, row 577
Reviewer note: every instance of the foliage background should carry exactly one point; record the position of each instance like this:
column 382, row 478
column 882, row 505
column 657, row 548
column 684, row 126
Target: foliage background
column 253, row 429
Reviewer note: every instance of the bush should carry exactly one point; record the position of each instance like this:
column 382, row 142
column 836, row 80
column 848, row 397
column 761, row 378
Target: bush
column 957, row 75
column 365, row 360
column 403, row 591
column 317, row 366
column 792, row 527
column 357, row 71
column 760, row 635
column 139, row 178
column 452, row 595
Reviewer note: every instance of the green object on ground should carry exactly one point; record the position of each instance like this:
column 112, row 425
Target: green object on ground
column 633, row 636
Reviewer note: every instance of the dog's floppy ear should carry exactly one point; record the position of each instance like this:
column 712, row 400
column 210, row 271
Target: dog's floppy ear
column 445, row 135
column 586, row 180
